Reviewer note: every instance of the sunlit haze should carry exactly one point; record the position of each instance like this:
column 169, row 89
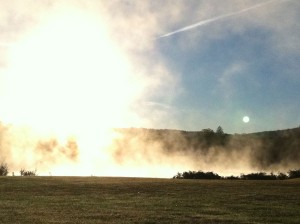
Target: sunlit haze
column 73, row 71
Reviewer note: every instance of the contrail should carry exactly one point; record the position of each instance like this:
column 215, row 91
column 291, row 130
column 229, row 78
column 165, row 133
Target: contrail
column 204, row 22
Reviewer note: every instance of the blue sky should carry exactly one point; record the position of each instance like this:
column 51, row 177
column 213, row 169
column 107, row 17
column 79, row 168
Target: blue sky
column 243, row 62
column 238, row 73
column 235, row 76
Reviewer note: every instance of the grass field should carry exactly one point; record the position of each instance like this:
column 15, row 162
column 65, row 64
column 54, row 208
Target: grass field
column 143, row 200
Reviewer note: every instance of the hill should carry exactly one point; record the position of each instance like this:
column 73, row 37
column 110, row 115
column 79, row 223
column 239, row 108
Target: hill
column 270, row 150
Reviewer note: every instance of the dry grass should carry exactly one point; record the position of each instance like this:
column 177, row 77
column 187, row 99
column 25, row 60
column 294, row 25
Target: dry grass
column 143, row 200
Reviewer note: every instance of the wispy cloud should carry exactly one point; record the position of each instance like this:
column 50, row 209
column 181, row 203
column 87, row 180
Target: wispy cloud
column 226, row 80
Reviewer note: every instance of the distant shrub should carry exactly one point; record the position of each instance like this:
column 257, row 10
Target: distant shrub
column 3, row 169
column 282, row 176
column 258, row 176
column 178, row 176
column 232, row 178
column 294, row 174
column 252, row 176
column 197, row 175
column 27, row 172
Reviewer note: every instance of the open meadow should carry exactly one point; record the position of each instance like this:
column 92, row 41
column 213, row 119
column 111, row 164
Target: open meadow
column 145, row 200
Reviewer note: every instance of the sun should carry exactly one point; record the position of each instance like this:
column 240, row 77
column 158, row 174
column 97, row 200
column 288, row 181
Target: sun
column 68, row 74
column 246, row 119
column 67, row 77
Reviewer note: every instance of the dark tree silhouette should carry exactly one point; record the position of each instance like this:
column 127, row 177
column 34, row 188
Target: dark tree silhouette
column 294, row 174
column 3, row 169
column 219, row 131
column 197, row 175
column 27, row 172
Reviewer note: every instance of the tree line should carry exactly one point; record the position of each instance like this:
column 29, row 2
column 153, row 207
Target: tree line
column 4, row 171
column 268, row 149
column 252, row 176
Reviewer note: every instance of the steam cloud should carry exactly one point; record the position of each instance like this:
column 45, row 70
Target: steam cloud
column 205, row 150
column 153, row 152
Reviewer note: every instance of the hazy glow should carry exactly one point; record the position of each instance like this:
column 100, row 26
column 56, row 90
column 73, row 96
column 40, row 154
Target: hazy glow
column 67, row 78
column 66, row 73
column 246, row 119
column 72, row 70
column 67, row 84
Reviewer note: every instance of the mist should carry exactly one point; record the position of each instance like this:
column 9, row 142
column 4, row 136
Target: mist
column 141, row 152
column 74, row 74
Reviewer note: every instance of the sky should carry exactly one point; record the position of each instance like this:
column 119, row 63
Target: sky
column 239, row 65
column 75, row 69
column 177, row 64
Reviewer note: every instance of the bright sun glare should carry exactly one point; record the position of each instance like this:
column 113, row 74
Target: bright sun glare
column 68, row 78
column 66, row 73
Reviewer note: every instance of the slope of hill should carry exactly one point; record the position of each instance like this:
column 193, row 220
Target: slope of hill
column 270, row 150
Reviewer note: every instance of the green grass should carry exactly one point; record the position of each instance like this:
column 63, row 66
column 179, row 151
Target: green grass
column 142, row 200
